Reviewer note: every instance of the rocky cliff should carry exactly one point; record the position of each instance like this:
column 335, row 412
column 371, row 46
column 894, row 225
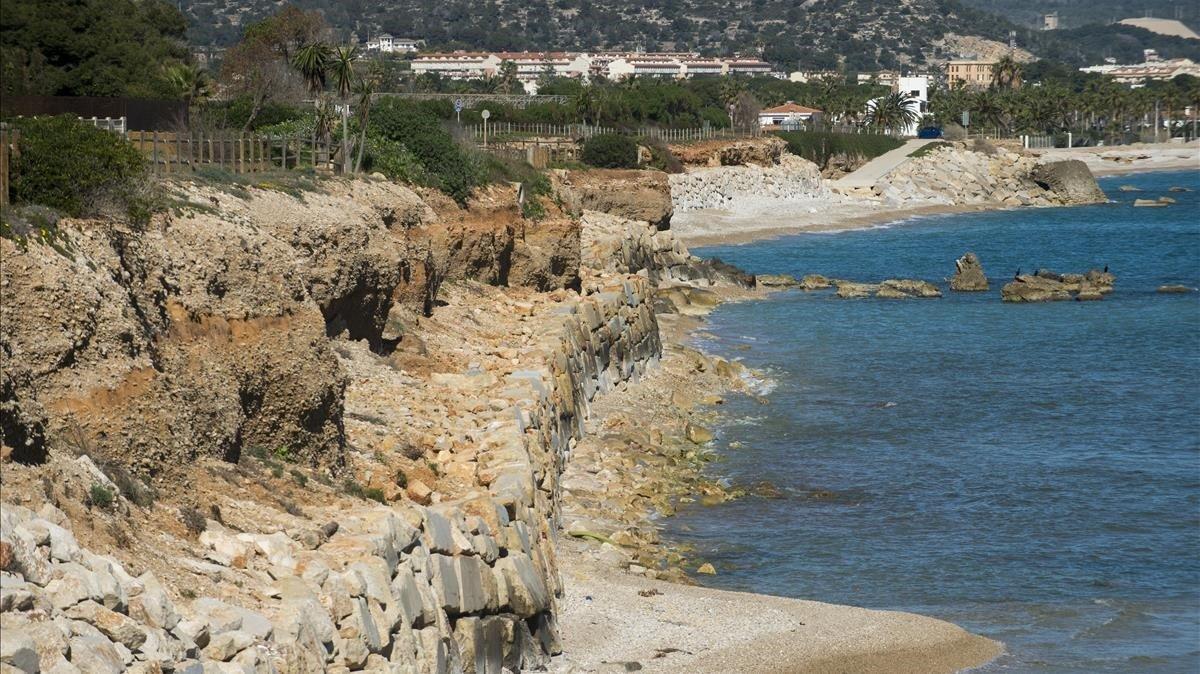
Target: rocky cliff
column 792, row 179
column 201, row 413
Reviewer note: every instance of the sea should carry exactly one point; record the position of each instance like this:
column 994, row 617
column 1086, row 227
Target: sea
column 1029, row 472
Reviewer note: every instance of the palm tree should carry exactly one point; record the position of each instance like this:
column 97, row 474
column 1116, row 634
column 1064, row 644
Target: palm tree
column 1006, row 73
column 894, row 113
column 312, row 60
column 342, row 69
column 189, row 82
column 363, row 90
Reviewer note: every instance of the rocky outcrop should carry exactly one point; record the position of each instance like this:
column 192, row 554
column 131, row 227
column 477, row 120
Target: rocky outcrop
column 1174, row 289
column 968, row 274
column 1071, row 180
column 632, row 195
column 765, row 151
column 850, row 290
column 776, row 280
column 792, row 179
column 1048, row 286
column 956, row 175
column 814, row 282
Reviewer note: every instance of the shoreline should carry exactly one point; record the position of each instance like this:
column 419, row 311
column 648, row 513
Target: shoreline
column 763, row 222
column 628, row 597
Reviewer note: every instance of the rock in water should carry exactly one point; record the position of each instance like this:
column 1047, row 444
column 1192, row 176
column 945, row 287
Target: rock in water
column 1034, row 288
column 1174, row 289
column 906, row 288
column 850, row 290
column 1071, row 180
column 814, row 282
column 968, row 274
column 1148, row 203
column 776, row 280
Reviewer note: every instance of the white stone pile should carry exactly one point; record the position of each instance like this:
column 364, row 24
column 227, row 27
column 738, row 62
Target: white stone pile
column 793, row 179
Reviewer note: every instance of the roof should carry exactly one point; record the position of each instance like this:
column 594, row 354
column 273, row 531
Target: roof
column 790, row 107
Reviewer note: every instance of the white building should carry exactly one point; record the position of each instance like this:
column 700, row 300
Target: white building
column 916, row 87
column 611, row 65
column 1137, row 74
column 388, row 44
column 806, row 76
column 788, row 116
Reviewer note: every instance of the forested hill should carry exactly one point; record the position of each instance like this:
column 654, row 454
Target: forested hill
column 1075, row 13
column 867, row 34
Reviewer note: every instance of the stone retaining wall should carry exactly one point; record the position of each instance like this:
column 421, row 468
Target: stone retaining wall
column 464, row 586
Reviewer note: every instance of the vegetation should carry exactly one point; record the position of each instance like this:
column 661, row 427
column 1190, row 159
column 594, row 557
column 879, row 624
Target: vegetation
column 76, row 168
column 854, row 35
column 1056, row 100
column 100, row 496
column 443, row 162
column 893, row 113
column 819, row 147
column 610, row 150
column 89, row 47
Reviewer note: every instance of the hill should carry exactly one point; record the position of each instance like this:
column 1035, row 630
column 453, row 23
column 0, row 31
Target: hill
column 857, row 34
column 1163, row 27
column 1075, row 13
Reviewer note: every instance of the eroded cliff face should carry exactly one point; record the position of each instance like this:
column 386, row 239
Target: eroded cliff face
column 238, row 353
column 206, row 332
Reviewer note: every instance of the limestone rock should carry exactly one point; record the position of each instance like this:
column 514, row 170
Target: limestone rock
column 1070, row 180
column 906, row 288
column 1174, row 289
column 968, row 274
column 697, row 435
column 776, row 280
column 814, row 282
column 1033, row 288
column 1148, row 203
column 851, row 290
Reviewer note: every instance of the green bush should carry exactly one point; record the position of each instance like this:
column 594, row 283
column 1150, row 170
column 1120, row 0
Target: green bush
column 449, row 166
column 819, row 146
column 610, row 150
column 100, row 496
column 395, row 161
column 76, row 168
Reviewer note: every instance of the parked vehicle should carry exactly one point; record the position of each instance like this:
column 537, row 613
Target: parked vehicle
column 929, row 132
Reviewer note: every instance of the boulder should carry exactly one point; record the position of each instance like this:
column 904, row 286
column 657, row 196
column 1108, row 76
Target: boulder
column 906, row 288
column 1148, row 203
column 968, row 274
column 1070, row 180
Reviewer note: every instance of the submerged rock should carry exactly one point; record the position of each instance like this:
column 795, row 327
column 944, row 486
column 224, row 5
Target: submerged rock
column 1129, row 188
column 906, row 288
column 968, row 274
column 1148, row 203
column 1173, row 289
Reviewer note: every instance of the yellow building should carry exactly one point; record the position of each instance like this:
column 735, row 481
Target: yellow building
column 972, row 73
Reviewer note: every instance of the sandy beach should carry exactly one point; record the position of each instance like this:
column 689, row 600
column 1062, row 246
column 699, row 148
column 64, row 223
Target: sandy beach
column 1136, row 158
column 612, row 620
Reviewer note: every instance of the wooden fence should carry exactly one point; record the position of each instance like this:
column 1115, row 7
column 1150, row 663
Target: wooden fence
column 9, row 140
column 179, row 152
column 500, row 130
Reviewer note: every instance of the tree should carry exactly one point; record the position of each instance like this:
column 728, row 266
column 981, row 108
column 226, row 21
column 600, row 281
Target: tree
column 1006, row 73
column 344, row 78
column 507, row 77
column 312, row 62
column 364, row 90
column 260, row 66
column 189, row 82
column 894, row 113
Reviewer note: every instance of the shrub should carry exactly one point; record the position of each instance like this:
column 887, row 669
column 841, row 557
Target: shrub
column 374, row 494
column 401, row 479
column 100, row 496
column 74, row 167
column 449, row 166
column 193, row 521
column 820, row 146
column 395, row 161
column 298, row 477
column 610, row 150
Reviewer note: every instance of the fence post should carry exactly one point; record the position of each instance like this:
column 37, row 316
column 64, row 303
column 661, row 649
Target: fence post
column 154, row 151
column 3, row 167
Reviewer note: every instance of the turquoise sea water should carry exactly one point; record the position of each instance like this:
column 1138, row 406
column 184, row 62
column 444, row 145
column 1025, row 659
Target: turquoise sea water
column 1030, row 472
